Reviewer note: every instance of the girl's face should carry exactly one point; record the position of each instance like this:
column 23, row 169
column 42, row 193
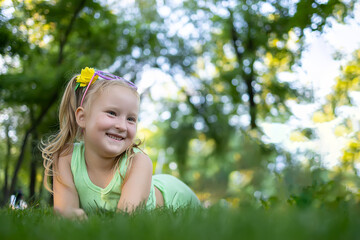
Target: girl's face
column 110, row 122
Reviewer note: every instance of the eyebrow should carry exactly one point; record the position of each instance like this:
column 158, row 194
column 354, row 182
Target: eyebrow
column 117, row 108
column 134, row 114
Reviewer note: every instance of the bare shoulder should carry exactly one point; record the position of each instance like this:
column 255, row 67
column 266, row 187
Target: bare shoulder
column 141, row 160
column 66, row 199
column 63, row 161
column 66, row 154
column 63, row 168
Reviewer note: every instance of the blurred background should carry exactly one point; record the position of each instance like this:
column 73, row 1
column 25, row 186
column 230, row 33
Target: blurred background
column 250, row 102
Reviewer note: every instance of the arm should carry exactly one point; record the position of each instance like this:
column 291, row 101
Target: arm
column 66, row 199
column 136, row 189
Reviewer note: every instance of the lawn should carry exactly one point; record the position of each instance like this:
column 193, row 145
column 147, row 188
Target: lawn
column 211, row 223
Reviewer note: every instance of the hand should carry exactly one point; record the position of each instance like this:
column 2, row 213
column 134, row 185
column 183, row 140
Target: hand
column 72, row 213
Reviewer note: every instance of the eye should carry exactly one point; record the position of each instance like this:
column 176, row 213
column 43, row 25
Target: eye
column 112, row 113
column 131, row 119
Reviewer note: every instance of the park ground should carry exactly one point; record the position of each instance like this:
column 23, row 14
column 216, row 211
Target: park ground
column 215, row 222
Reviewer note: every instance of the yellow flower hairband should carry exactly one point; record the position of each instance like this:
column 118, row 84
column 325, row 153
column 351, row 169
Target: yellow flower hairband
column 88, row 76
column 85, row 77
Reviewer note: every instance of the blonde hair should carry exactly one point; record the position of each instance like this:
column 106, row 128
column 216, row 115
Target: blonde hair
column 69, row 130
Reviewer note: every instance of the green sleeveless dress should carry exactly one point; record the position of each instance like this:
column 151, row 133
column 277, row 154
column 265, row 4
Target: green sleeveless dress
column 92, row 197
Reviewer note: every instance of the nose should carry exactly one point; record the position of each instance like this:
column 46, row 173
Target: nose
column 121, row 124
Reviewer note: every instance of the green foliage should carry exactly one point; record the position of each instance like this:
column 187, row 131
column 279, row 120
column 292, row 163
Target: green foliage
column 341, row 184
column 241, row 52
column 10, row 43
column 61, row 37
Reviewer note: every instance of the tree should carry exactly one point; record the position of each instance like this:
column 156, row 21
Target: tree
column 243, row 50
column 335, row 125
column 55, row 29
column 341, row 107
column 60, row 38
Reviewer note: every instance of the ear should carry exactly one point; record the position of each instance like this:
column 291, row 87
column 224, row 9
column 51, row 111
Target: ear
column 80, row 117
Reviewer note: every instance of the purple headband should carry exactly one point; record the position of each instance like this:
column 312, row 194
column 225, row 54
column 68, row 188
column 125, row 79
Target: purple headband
column 106, row 76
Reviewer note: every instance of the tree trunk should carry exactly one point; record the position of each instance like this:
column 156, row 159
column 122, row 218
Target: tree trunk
column 52, row 99
column 41, row 186
column 6, row 169
column 249, row 77
column 33, row 166
column 250, row 91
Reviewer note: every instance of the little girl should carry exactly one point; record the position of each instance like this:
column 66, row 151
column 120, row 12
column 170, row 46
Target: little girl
column 94, row 160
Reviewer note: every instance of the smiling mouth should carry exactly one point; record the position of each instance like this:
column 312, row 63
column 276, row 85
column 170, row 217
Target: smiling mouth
column 118, row 138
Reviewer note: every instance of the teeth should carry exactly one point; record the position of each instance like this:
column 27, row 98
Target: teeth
column 116, row 138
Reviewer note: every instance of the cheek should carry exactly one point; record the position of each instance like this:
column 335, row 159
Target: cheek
column 104, row 120
column 132, row 131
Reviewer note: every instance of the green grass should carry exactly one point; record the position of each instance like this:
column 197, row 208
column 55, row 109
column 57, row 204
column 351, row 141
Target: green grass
column 211, row 223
